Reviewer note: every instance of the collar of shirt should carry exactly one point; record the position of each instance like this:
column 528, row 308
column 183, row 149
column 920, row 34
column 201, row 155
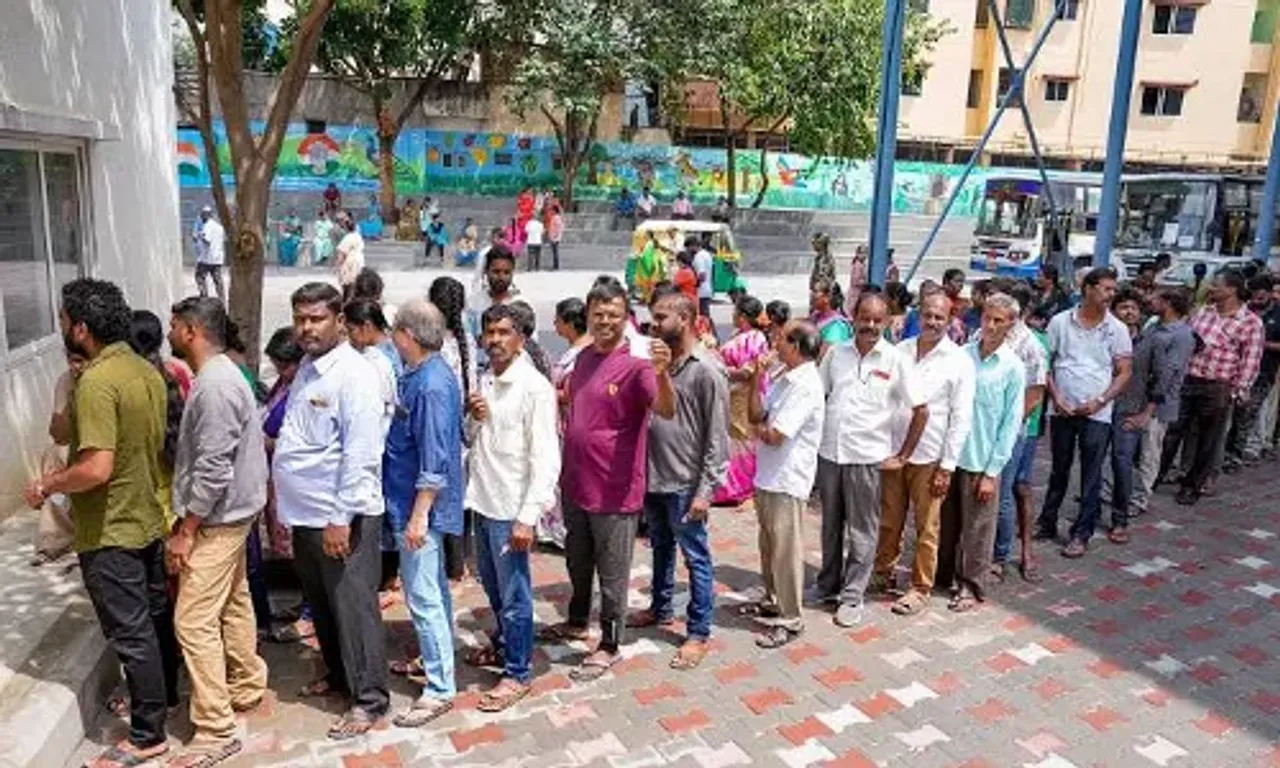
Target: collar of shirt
column 324, row 363
column 861, row 395
column 108, row 352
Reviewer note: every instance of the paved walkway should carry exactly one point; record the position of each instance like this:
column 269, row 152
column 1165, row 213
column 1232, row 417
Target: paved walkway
column 1160, row 653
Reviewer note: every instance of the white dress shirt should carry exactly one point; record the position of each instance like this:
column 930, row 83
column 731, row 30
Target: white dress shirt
column 794, row 407
column 328, row 460
column 946, row 378
column 387, row 388
column 215, row 239
column 863, row 394
column 514, row 460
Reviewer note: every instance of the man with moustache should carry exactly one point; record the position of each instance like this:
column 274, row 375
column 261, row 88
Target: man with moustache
column 866, row 381
column 326, row 467
column 687, row 459
column 970, row 509
column 113, row 471
column 219, row 486
column 514, row 464
column 946, row 378
column 615, row 384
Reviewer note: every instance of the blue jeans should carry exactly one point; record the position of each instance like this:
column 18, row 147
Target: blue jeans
column 1126, row 452
column 1006, row 522
column 668, row 527
column 1066, row 433
column 506, row 580
column 426, row 594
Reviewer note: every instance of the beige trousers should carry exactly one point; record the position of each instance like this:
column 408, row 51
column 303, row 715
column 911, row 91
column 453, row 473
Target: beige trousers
column 781, row 546
column 215, row 625
column 900, row 489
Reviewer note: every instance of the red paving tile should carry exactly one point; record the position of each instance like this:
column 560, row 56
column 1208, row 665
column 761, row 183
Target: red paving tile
column 387, row 757
column 1105, row 668
column 838, row 677
column 799, row 653
column 731, row 673
column 549, row 683
column 947, row 682
column 1059, row 644
column 991, row 711
column 633, row 664
column 866, row 635
column 464, row 740
column 1207, row 673
column 851, row 759
column 1214, row 724
column 1004, row 662
column 879, row 705
column 1102, row 718
column 660, row 692
column 690, row 721
column 1251, row 655
column 1157, row 697
column 808, row 728
column 1018, row 623
column 1266, row 702
column 765, row 700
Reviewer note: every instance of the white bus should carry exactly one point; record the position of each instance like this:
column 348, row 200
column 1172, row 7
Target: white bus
column 1010, row 235
column 1193, row 217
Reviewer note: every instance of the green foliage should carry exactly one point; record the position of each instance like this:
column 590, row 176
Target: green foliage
column 256, row 51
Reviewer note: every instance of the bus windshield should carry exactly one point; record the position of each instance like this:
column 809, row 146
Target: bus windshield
column 1166, row 214
column 1010, row 208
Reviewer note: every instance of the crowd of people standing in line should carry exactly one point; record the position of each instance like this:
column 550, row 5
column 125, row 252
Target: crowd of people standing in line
column 438, row 435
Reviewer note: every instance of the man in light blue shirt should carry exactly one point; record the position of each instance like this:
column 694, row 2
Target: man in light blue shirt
column 328, row 482
column 704, row 265
column 969, row 512
column 1090, row 361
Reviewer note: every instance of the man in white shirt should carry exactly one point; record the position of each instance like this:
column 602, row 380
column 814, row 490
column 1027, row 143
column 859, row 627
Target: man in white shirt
column 211, row 253
column 645, row 204
column 704, row 265
column 514, row 466
column 866, row 381
column 789, row 426
column 533, row 231
column 327, row 468
column 945, row 376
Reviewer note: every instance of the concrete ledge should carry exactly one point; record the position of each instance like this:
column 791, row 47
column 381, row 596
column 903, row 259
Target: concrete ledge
column 55, row 668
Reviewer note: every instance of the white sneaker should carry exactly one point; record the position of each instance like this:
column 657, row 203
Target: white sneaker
column 848, row 615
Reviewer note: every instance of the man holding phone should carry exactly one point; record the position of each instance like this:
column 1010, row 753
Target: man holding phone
column 514, row 460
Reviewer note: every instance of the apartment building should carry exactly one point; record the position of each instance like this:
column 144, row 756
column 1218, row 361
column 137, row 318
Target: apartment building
column 1205, row 89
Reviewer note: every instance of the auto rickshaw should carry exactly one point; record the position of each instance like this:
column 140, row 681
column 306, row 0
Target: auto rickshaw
column 669, row 236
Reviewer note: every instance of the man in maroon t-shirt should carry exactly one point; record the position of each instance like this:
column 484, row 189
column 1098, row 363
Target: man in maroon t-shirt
column 614, row 385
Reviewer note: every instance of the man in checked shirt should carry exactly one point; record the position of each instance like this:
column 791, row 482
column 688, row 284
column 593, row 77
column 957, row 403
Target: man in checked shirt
column 1219, row 375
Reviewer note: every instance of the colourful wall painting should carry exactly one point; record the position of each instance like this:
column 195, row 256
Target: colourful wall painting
column 458, row 162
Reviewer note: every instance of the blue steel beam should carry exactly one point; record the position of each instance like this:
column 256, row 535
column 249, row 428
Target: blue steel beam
column 1014, row 87
column 1109, row 215
column 895, row 20
column 1267, row 214
column 994, row 12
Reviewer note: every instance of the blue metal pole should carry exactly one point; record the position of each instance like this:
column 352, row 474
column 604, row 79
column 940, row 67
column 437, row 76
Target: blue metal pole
column 1014, row 87
column 1007, row 50
column 1267, row 214
column 895, row 18
column 1109, row 216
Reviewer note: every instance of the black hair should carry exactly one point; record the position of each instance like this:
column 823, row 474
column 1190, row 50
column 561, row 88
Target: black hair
column 1147, row 266
column 498, row 253
column 899, row 294
column 952, row 273
column 692, row 241
column 1163, row 256
column 361, row 311
column 804, row 336
column 526, row 321
column 605, row 290
column 866, row 296
column 1096, row 275
column 1022, row 292
column 368, row 285
column 684, row 305
column 318, row 293
column 146, row 336
column 831, row 288
column 1178, row 299
column 451, row 299
column 498, row 313
column 204, row 311
column 283, row 346
column 1050, row 271
column 778, row 312
column 100, row 306
column 1234, row 279
column 1261, row 283
column 661, row 290
column 234, row 342
column 749, row 307
column 573, row 313
column 1126, row 293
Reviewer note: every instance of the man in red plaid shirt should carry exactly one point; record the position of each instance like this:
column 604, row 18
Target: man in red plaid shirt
column 1219, row 375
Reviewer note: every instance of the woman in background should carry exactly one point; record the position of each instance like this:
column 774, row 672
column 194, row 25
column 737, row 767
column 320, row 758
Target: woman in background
column 322, row 242
column 290, row 239
column 741, row 354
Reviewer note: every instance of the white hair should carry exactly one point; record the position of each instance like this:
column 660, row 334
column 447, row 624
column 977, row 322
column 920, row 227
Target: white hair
column 1003, row 301
column 424, row 323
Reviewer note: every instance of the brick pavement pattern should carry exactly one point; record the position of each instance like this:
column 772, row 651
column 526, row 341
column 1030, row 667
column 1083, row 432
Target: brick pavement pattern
column 1161, row 653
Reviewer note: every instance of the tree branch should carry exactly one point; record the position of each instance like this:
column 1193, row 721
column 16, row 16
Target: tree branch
column 292, row 79
column 203, row 113
column 228, row 77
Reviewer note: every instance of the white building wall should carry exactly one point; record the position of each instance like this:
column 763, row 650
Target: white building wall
column 98, row 73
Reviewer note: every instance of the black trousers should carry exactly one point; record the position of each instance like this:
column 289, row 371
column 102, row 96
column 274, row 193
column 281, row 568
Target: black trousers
column 130, row 595
column 1206, row 405
column 343, row 595
column 597, row 542
column 535, row 256
column 555, row 254
column 460, row 547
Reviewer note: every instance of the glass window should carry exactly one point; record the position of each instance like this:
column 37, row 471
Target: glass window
column 1005, row 83
column 1068, row 10
column 1173, row 20
column 1264, row 21
column 28, row 310
column 1253, row 91
column 41, row 238
column 913, row 82
column 1019, row 14
column 974, row 97
column 1162, row 101
column 1057, row 90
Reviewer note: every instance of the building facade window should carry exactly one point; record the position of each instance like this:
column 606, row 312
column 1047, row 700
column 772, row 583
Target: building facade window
column 974, row 97
column 1005, row 83
column 981, row 14
column 42, row 235
column 1067, row 10
column 1019, row 14
column 1264, row 21
column 1057, row 90
column 913, row 82
column 1173, row 20
column 1162, row 100
column 1253, row 92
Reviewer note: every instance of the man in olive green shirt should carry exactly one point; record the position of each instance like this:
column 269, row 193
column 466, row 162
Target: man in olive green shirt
column 113, row 479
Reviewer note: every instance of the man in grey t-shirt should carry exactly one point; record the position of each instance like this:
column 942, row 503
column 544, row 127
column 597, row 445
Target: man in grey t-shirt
column 1089, row 360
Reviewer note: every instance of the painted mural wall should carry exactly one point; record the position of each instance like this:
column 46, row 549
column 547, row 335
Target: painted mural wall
column 450, row 162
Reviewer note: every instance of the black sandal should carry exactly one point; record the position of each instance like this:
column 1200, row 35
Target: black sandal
column 776, row 637
column 354, row 723
column 593, row 667
column 759, row 611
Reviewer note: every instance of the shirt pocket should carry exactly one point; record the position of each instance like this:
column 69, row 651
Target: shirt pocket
column 320, row 420
column 506, row 436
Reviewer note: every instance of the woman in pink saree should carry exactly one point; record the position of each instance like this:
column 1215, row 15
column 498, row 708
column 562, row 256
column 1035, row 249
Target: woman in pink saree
column 740, row 355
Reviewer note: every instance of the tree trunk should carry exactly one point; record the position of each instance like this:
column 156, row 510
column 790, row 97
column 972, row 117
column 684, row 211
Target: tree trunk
column 248, row 264
column 569, row 165
column 764, row 178
column 386, row 174
column 731, row 156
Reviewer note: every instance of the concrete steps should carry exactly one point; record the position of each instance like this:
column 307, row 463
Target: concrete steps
column 55, row 668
